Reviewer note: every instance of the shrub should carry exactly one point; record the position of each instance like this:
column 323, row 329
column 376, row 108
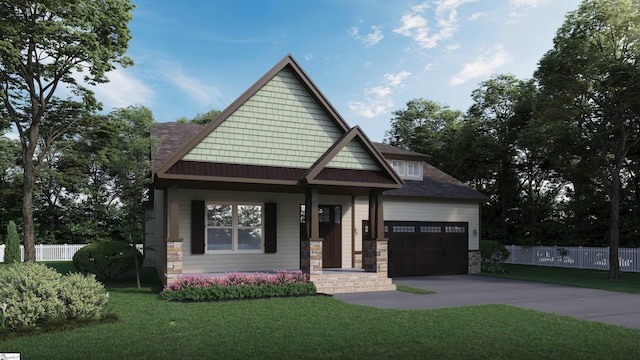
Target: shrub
column 83, row 297
column 493, row 255
column 31, row 292
column 239, row 286
column 106, row 259
column 35, row 296
column 12, row 248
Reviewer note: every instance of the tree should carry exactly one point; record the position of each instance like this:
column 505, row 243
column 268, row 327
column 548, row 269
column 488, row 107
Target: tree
column 590, row 81
column 426, row 127
column 12, row 248
column 44, row 44
column 201, row 119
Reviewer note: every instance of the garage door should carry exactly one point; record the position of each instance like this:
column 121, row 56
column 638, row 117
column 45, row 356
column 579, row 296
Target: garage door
column 425, row 248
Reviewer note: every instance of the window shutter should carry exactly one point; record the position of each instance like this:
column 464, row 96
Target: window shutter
column 270, row 228
column 197, row 226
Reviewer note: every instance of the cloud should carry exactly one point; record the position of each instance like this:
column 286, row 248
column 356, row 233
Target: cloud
column 202, row 93
column 122, row 90
column 370, row 39
column 476, row 16
column 378, row 98
column 415, row 26
column 308, row 56
column 528, row 3
column 484, row 65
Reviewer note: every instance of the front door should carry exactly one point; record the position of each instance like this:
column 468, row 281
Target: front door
column 330, row 228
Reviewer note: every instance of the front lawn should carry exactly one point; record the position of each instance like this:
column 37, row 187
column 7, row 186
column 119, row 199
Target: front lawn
column 322, row 327
column 595, row 279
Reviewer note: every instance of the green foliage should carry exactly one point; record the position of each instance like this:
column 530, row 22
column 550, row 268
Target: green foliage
column 83, row 297
column 201, row 119
column 12, row 246
column 35, row 296
column 106, row 259
column 493, row 254
column 236, row 292
column 43, row 44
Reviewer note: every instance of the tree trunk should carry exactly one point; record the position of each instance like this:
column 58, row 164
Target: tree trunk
column 614, row 265
column 27, row 209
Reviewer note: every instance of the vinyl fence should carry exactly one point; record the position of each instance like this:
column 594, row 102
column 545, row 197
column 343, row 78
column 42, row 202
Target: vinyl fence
column 573, row 257
column 52, row 252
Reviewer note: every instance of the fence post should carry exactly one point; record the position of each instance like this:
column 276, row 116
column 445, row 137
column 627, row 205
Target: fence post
column 1, row 252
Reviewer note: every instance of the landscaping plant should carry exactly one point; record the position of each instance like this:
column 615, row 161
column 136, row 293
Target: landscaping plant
column 34, row 295
column 12, row 246
column 239, row 286
column 106, row 259
column 493, row 255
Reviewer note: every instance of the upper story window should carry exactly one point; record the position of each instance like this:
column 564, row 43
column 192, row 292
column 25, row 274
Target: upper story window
column 409, row 170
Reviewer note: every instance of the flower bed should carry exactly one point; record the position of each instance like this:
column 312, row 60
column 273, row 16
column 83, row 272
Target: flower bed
column 235, row 286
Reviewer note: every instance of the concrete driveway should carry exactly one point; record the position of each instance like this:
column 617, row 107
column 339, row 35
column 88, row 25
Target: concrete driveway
column 459, row 290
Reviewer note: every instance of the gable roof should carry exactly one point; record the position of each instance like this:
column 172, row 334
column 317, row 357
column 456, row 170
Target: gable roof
column 434, row 184
column 176, row 159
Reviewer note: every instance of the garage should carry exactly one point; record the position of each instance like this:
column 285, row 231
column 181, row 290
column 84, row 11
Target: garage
column 426, row 248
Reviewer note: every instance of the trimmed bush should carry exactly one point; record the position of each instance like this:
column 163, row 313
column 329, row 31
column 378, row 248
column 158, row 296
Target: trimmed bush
column 34, row 296
column 106, row 259
column 12, row 246
column 237, row 286
column 83, row 297
column 493, row 255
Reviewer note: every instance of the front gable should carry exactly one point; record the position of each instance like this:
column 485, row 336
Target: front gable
column 280, row 127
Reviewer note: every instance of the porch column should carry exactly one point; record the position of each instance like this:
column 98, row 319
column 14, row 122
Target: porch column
column 375, row 248
column 173, row 263
column 311, row 248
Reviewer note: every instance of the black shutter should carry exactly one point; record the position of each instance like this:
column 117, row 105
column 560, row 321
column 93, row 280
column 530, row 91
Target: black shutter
column 197, row 227
column 270, row 228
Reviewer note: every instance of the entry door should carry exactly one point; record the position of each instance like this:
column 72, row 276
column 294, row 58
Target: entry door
column 330, row 229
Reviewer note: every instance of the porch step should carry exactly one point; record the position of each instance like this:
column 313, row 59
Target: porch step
column 338, row 283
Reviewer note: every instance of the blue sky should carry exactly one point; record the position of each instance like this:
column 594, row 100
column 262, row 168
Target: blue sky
column 368, row 57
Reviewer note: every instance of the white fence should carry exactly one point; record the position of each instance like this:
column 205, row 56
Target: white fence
column 53, row 252
column 573, row 257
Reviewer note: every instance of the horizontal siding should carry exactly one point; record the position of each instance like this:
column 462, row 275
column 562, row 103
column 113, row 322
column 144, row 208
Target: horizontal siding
column 424, row 210
column 288, row 248
column 353, row 156
column 155, row 234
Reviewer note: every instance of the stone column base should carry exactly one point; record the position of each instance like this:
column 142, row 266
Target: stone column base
column 475, row 261
column 375, row 256
column 174, row 262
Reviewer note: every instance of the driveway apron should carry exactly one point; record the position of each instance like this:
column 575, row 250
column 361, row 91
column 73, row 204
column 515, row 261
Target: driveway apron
column 610, row 307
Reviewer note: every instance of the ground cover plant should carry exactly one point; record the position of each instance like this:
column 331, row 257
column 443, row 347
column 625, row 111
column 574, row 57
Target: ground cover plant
column 594, row 279
column 320, row 327
column 235, row 286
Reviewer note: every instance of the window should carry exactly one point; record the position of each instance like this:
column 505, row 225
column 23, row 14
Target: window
column 398, row 165
column 413, row 168
column 455, row 229
column 430, row 229
column 234, row 227
column 403, row 229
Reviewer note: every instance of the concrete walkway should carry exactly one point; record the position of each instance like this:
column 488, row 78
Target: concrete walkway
column 459, row 290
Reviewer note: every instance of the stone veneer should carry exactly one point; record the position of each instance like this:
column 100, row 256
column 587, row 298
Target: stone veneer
column 474, row 261
column 375, row 256
column 174, row 261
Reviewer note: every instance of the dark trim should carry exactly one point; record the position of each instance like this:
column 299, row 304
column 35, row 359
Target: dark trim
column 270, row 228
column 354, row 133
column 174, row 213
column 197, row 226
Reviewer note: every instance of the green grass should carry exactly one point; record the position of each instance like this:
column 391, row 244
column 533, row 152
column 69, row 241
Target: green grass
column 595, row 279
column 321, row 327
column 412, row 290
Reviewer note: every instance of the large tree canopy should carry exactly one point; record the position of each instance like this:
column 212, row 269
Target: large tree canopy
column 590, row 82
column 46, row 45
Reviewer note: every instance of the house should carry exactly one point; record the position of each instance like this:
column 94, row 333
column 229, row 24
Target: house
column 280, row 181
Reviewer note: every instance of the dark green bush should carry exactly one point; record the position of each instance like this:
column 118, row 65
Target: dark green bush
column 235, row 292
column 12, row 248
column 493, row 255
column 106, row 259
